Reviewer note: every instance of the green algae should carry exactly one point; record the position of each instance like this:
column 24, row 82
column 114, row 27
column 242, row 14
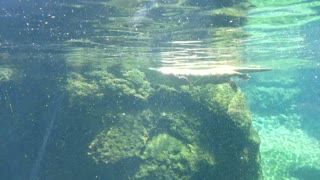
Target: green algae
column 238, row 111
column 79, row 88
column 177, row 159
column 182, row 126
column 102, row 84
column 219, row 98
column 121, row 141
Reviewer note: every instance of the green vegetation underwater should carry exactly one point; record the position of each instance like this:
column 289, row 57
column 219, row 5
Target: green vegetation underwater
column 159, row 89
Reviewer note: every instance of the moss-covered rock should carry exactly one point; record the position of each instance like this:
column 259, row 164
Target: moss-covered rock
column 126, row 139
column 125, row 88
column 238, row 111
column 80, row 88
column 226, row 125
column 168, row 158
column 184, row 134
column 182, row 125
column 131, row 83
column 225, row 100
column 174, row 132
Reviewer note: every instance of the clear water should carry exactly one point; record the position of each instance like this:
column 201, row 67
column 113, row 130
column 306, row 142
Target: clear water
column 44, row 45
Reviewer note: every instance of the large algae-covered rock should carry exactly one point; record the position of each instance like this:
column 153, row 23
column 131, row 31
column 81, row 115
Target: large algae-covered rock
column 171, row 132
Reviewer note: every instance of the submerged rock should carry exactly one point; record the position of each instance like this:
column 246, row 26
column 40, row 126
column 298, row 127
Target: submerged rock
column 124, row 140
column 169, row 158
column 103, row 85
column 184, row 132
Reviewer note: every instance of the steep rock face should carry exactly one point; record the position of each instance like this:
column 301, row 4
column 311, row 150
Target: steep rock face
column 175, row 132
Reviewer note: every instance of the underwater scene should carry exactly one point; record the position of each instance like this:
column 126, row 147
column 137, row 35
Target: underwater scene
column 159, row 89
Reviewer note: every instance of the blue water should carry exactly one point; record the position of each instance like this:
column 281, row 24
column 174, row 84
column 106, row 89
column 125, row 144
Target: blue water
column 52, row 109
column 50, row 116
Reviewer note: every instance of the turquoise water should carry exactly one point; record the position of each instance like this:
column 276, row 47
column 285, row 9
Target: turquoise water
column 286, row 101
column 51, row 54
